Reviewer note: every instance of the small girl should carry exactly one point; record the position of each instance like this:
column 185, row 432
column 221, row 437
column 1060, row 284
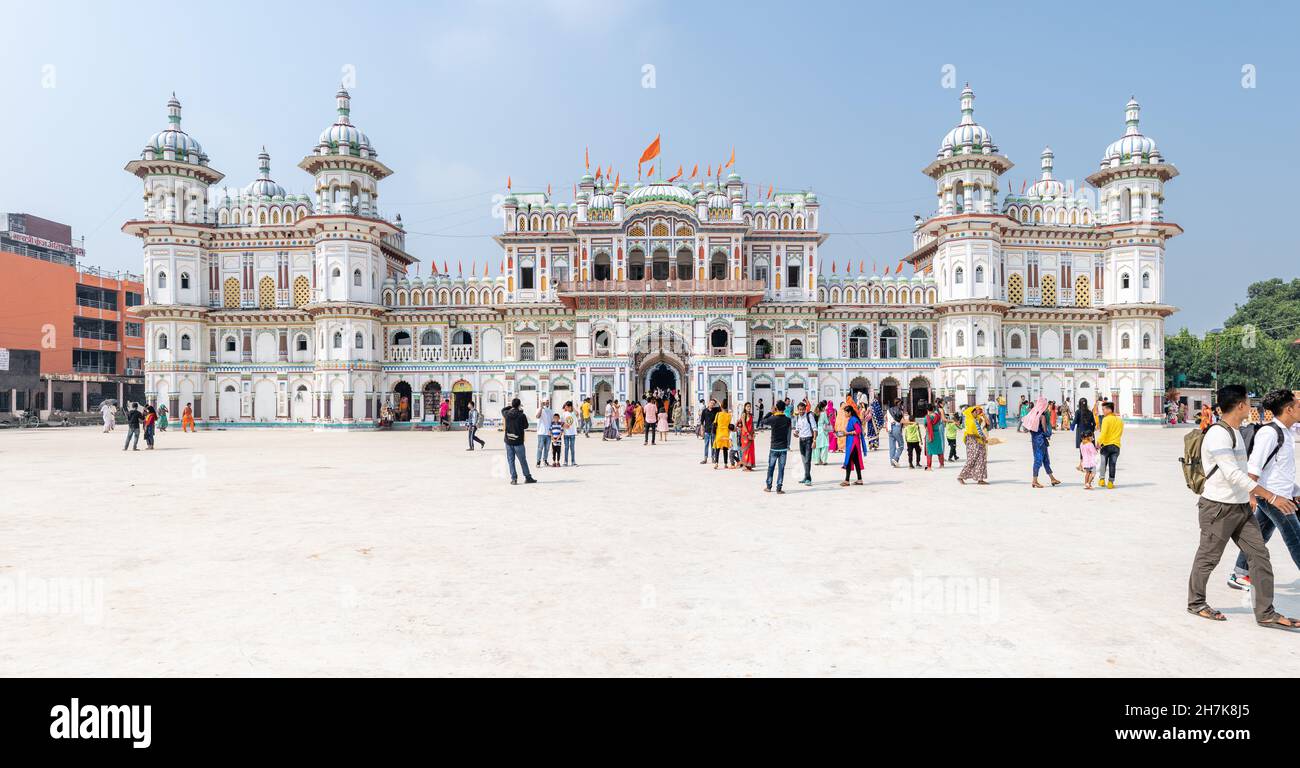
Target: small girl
column 661, row 423
column 912, row 436
column 1088, row 452
column 557, row 439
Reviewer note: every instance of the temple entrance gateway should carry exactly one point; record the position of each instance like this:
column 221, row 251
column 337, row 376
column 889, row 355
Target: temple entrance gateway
column 661, row 377
column 462, row 393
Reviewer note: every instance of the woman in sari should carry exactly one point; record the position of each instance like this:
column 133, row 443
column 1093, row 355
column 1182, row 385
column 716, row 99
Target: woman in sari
column 976, row 447
column 852, row 444
column 875, row 417
column 722, row 438
column 833, row 433
column 747, row 438
column 821, row 445
column 1039, row 423
column 629, row 415
column 611, row 422
column 934, row 435
column 638, row 423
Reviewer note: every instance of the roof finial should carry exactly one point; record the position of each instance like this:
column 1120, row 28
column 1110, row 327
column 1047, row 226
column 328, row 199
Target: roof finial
column 967, row 105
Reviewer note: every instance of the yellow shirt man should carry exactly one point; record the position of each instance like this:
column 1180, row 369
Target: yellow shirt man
column 586, row 409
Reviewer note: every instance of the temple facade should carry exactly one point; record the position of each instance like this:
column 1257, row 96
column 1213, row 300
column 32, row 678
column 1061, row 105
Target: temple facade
column 265, row 307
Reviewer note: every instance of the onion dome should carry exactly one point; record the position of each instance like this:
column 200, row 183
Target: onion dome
column 172, row 139
column 660, row 193
column 969, row 137
column 718, row 199
column 1132, row 147
column 601, row 199
column 344, row 138
column 1047, row 186
column 264, row 186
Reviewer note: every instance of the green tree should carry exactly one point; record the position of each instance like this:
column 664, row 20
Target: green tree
column 1272, row 306
column 1254, row 360
column 1185, row 364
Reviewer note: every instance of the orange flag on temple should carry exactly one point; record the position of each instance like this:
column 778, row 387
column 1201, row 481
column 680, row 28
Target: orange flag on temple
column 507, row 182
column 651, row 172
column 832, row 267
column 609, row 171
column 485, row 272
column 651, row 152
column 445, row 271
column 548, row 190
column 770, row 189
column 460, row 270
column 617, row 177
column 695, row 171
column 599, row 172
column 677, row 175
column 862, row 266
column 586, row 157
column 732, row 161
column 900, row 267
column 709, row 171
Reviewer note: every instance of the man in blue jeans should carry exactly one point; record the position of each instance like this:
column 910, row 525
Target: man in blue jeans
column 1272, row 465
column 895, row 431
column 515, row 425
column 779, row 423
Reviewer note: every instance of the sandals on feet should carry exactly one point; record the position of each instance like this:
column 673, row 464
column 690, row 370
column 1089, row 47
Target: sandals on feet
column 1208, row 613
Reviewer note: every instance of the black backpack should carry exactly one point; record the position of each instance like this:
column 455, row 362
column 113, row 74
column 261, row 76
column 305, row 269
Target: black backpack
column 1254, row 432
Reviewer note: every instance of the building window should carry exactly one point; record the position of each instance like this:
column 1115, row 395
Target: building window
column 760, row 272
column 185, row 342
column 461, row 338
column 859, row 344
column 958, row 276
column 301, row 343
column 430, row 339
column 1146, row 279
column 162, row 279
column 1081, row 343
column 360, row 341
column 796, row 350
column 762, row 349
column 920, row 343
column 961, row 339
column 526, row 278
column 185, row 279
column 338, row 340
column 134, row 329
column 132, row 299
column 602, row 342
column 1014, row 341
column 889, row 343
column 561, row 351
column 979, row 338
column 527, row 351
column 356, row 278
column 162, row 341
column 1146, row 341
column 1124, row 341
column 979, row 274
column 792, row 276
column 1123, row 280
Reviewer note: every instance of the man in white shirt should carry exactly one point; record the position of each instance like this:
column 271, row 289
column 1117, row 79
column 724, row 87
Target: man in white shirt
column 544, row 414
column 1224, row 512
column 805, row 429
column 1272, row 464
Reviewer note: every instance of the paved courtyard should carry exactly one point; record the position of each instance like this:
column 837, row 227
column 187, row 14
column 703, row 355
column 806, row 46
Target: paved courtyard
column 263, row 552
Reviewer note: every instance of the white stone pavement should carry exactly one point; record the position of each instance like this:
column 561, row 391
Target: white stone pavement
column 264, row 552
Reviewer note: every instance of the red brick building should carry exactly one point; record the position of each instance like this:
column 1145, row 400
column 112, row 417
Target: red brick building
column 76, row 317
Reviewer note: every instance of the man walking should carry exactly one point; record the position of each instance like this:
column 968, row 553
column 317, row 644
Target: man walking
column 780, row 424
column 651, row 410
column 515, row 425
column 472, row 421
column 805, row 428
column 544, row 414
column 1272, row 465
column 1112, row 429
column 707, row 427
column 1224, row 512
column 133, row 419
column 991, row 407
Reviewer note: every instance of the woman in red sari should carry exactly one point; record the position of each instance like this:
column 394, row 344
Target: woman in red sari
column 747, row 438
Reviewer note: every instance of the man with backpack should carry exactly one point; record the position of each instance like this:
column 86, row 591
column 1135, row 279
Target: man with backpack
column 1272, row 463
column 1218, row 472
column 515, row 423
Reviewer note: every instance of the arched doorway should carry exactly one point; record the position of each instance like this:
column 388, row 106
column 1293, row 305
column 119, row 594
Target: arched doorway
column 661, row 376
column 719, row 392
column 603, row 394
column 462, row 393
column 888, row 390
column 432, row 399
column 763, row 398
column 919, row 391
column 401, row 401
column 860, row 388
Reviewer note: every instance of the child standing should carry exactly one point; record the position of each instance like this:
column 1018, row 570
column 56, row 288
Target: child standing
column 661, row 424
column 912, row 436
column 557, row 439
column 1088, row 452
column 950, row 433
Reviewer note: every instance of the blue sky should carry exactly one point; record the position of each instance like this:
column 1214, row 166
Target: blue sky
column 843, row 98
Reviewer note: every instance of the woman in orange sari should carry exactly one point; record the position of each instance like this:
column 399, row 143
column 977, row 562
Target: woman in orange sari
column 747, row 438
column 638, row 425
